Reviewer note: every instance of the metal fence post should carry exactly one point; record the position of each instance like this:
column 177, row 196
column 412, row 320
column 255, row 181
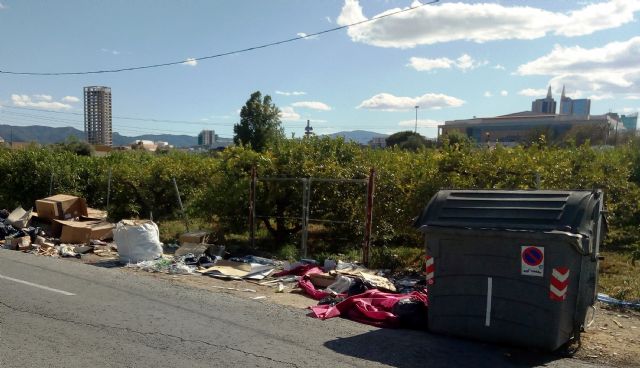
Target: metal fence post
column 305, row 215
column 537, row 180
column 108, row 189
column 51, row 185
column 252, row 207
column 366, row 244
column 184, row 214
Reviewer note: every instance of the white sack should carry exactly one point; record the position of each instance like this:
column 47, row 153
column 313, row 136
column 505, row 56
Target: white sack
column 137, row 240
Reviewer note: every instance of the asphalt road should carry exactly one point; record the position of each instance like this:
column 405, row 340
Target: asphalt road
column 119, row 319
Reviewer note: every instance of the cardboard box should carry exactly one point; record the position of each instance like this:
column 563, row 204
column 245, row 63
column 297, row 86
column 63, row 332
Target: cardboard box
column 81, row 232
column 61, row 207
column 195, row 237
column 21, row 243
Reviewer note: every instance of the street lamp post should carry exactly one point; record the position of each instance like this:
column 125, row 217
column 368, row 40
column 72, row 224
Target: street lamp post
column 415, row 130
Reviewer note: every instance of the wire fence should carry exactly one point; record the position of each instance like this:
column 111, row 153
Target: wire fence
column 313, row 208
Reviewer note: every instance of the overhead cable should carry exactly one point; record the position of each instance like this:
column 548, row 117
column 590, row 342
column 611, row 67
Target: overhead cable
column 159, row 65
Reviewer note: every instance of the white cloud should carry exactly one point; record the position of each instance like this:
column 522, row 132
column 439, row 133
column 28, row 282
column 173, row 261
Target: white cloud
column 605, row 96
column 488, row 94
column 110, row 51
column 504, row 93
column 389, row 102
column 190, row 62
column 498, row 67
column 70, row 99
column 422, row 64
column 612, row 68
column 43, row 97
column 464, row 63
column 2, row 7
column 481, row 22
column 288, row 114
column 632, row 97
column 328, row 19
column 422, row 123
column 532, row 92
column 38, row 101
column 292, row 93
column 315, row 105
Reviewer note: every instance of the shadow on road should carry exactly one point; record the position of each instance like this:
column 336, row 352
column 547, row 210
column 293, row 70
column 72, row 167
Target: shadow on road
column 409, row 348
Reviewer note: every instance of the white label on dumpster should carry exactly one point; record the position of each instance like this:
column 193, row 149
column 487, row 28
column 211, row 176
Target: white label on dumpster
column 532, row 261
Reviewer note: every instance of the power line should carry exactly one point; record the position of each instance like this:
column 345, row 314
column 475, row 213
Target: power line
column 224, row 53
column 131, row 118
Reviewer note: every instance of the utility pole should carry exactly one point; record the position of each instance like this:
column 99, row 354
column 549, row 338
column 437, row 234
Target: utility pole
column 415, row 130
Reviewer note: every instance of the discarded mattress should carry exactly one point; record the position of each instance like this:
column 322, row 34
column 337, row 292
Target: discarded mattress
column 372, row 307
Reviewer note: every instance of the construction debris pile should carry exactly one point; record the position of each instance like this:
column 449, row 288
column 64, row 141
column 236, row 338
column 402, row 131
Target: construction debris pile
column 64, row 226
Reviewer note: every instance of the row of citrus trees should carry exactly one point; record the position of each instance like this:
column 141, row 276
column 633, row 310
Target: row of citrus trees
column 215, row 187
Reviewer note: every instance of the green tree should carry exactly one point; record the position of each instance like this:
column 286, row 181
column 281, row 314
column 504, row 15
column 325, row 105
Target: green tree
column 259, row 124
column 73, row 144
column 456, row 139
column 408, row 140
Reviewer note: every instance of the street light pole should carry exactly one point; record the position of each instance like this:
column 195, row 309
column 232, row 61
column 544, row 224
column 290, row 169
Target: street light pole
column 415, row 130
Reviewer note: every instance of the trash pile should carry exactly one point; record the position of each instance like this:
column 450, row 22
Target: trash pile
column 62, row 225
column 355, row 292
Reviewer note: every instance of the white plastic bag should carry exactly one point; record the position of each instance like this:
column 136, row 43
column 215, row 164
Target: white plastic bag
column 137, row 240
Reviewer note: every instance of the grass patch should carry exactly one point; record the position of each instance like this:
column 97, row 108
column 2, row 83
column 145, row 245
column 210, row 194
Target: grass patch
column 619, row 276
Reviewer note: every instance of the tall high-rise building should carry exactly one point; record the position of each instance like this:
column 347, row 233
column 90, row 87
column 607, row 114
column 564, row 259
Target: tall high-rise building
column 544, row 105
column 630, row 122
column 97, row 115
column 207, row 138
column 579, row 107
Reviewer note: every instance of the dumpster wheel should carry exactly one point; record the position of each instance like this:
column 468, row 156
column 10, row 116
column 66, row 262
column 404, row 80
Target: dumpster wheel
column 571, row 347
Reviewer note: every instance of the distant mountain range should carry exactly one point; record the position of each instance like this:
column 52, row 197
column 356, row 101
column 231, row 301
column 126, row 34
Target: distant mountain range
column 49, row 135
column 359, row 136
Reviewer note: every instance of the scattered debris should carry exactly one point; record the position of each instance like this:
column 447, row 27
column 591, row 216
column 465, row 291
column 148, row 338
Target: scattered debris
column 619, row 303
column 67, row 250
column 232, row 288
column 19, row 218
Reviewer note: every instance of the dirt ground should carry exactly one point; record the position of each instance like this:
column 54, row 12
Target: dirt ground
column 613, row 339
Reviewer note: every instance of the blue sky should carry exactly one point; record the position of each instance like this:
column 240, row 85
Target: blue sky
column 454, row 59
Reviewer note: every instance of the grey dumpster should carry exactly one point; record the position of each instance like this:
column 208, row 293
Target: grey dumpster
column 517, row 267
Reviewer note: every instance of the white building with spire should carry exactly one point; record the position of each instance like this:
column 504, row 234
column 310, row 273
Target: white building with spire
column 544, row 105
column 577, row 107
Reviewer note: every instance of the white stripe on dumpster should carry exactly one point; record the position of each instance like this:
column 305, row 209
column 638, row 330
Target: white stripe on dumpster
column 487, row 316
column 559, row 276
column 36, row 285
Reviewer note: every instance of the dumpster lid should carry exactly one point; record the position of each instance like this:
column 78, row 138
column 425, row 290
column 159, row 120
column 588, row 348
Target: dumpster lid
column 540, row 210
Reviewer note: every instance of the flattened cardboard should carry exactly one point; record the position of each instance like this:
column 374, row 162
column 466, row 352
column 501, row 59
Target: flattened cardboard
column 195, row 249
